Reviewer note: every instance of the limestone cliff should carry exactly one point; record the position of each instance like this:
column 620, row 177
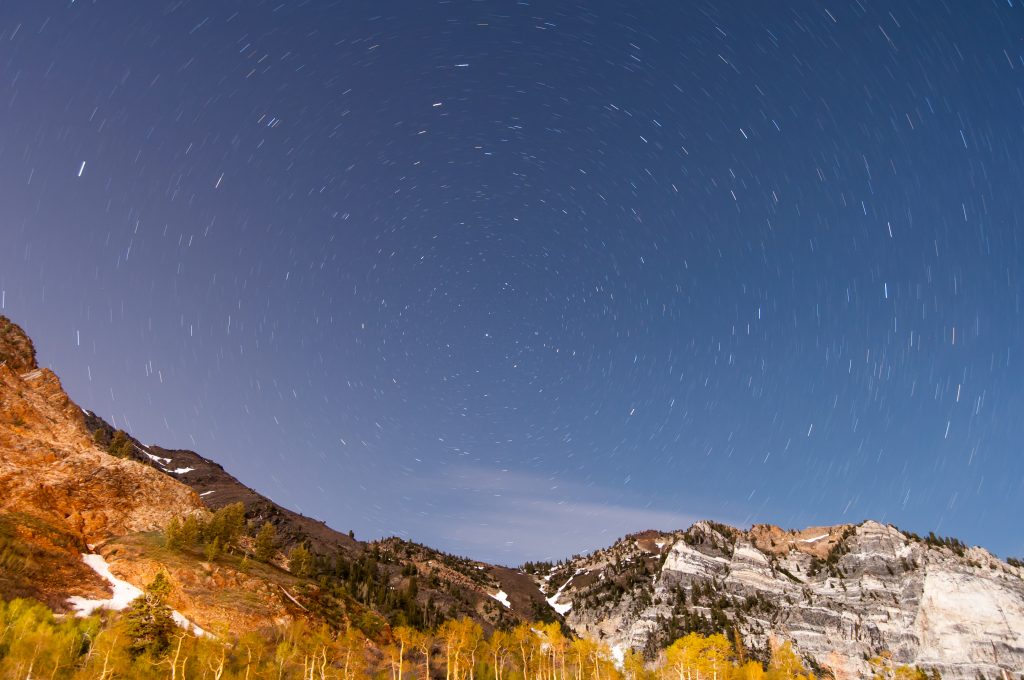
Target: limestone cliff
column 841, row 594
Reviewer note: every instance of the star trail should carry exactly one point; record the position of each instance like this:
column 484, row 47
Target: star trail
column 513, row 279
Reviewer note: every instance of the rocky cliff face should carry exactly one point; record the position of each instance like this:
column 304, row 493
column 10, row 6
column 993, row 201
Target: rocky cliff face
column 841, row 594
column 59, row 492
column 52, row 469
column 16, row 348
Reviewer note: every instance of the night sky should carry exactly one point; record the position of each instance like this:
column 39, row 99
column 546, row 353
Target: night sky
column 513, row 279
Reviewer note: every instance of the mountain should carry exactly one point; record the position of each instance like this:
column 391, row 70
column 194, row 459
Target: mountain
column 63, row 493
column 449, row 586
column 58, row 491
column 85, row 508
column 842, row 594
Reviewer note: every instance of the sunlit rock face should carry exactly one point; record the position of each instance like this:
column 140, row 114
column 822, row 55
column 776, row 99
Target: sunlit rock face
column 841, row 594
column 51, row 468
column 16, row 349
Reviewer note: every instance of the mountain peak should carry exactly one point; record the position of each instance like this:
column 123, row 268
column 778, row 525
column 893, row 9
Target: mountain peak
column 16, row 348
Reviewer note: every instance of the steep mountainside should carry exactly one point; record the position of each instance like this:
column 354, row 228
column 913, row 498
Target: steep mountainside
column 52, row 465
column 218, row 488
column 447, row 586
column 842, row 594
column 61, row 490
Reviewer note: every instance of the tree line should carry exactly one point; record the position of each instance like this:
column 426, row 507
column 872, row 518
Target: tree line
column 413, row 642
column 143, row 642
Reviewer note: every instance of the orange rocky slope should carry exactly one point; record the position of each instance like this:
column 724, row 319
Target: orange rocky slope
column 61, row 496
column 51, row 469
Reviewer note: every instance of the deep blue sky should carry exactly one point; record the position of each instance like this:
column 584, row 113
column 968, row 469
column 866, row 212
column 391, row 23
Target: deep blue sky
column 514, row 278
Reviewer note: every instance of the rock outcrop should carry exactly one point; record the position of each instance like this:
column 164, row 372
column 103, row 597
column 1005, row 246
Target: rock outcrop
column 59, row 491
column 52, row 469
column 841, row 594
column 16, row 348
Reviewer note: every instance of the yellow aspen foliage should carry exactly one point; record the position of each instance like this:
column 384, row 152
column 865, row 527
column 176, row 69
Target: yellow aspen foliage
column 786, row 664
column 35, row 643
column 751, row 670
column 696, row 657
column 502, row 647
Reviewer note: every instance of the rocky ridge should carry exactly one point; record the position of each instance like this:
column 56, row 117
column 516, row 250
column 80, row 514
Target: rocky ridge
column 51, row 465
column 841, row 594
column 447, row 584
column 16, row 349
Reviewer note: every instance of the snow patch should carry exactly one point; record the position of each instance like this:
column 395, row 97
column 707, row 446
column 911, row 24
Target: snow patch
column 181, row 471
column 124, row 594
column 205, row 493
column 502, row 597
column 563, row 607
column 815, row 539
column 158, row 459
column 183, row 622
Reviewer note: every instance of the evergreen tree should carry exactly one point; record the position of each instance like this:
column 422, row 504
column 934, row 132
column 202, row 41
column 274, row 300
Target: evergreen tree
column 173, row 535
column 227, row 524
column 147, row 621
column 212, row 549
column 191, row 530
column 300, row 561
column 264, row 547
column 120, row 445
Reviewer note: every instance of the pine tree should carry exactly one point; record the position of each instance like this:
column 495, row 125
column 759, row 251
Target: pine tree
column 300, row 561
column 227, row 524
column 147, row 621
column 173, row 535
column 191, row 530
column 120, row 445
column 264, row 546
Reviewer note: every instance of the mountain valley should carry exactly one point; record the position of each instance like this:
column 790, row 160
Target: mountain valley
column 71, row 485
